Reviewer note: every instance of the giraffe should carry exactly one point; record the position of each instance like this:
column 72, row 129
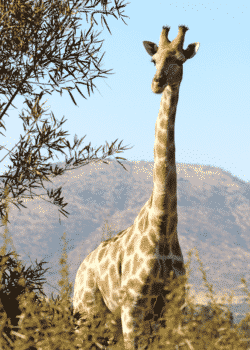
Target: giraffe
column 133, row 261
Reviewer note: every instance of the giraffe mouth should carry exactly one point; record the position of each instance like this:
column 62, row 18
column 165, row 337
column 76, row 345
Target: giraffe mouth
column 156, row 88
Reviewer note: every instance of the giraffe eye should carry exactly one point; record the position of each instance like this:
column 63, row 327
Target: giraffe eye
column 153, row 61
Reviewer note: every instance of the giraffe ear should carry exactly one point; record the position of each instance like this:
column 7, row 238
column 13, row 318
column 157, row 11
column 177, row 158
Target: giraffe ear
column 191, row 50
column 150, row 47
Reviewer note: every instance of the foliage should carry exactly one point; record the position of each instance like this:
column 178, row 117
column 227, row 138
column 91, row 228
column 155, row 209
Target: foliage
column 37, row 31
column 48, row 323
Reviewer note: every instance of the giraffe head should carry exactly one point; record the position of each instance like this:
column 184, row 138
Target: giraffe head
column 168, row 58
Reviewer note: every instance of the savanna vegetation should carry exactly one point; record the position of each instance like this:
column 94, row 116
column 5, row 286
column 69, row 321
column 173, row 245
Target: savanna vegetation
column 32, row 320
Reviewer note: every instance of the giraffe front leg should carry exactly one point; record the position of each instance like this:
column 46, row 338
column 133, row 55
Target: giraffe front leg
column 135, row 329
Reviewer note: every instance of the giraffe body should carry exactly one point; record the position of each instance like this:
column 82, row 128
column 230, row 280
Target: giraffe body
column 126, row 275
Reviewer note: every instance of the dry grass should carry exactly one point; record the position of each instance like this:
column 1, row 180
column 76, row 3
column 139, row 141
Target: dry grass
column 42, row 323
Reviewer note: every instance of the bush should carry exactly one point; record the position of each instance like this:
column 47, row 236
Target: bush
column 32, row 321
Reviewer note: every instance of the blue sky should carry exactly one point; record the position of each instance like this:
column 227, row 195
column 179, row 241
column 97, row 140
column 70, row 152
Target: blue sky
column 213, row 119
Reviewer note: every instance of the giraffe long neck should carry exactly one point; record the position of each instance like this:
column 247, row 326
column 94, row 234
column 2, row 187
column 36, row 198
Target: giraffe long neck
column 164, row 197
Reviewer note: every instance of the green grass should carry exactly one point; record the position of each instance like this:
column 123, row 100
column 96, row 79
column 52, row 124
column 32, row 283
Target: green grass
column 31, row 322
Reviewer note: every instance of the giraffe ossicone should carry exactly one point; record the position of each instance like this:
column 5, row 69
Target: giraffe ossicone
column 135, row 259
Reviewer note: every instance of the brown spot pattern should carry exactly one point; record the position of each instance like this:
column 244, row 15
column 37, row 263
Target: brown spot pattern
column 127, row 268
column 145, row 246
column 136, row 264
column 101, row 253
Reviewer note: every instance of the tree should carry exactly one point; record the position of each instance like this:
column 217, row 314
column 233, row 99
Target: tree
column 36, row 31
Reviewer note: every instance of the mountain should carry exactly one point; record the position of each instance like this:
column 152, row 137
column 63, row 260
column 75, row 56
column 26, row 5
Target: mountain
column 213, row 216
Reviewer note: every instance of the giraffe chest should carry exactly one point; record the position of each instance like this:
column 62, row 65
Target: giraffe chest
column 132, row 262
column 132, row 272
